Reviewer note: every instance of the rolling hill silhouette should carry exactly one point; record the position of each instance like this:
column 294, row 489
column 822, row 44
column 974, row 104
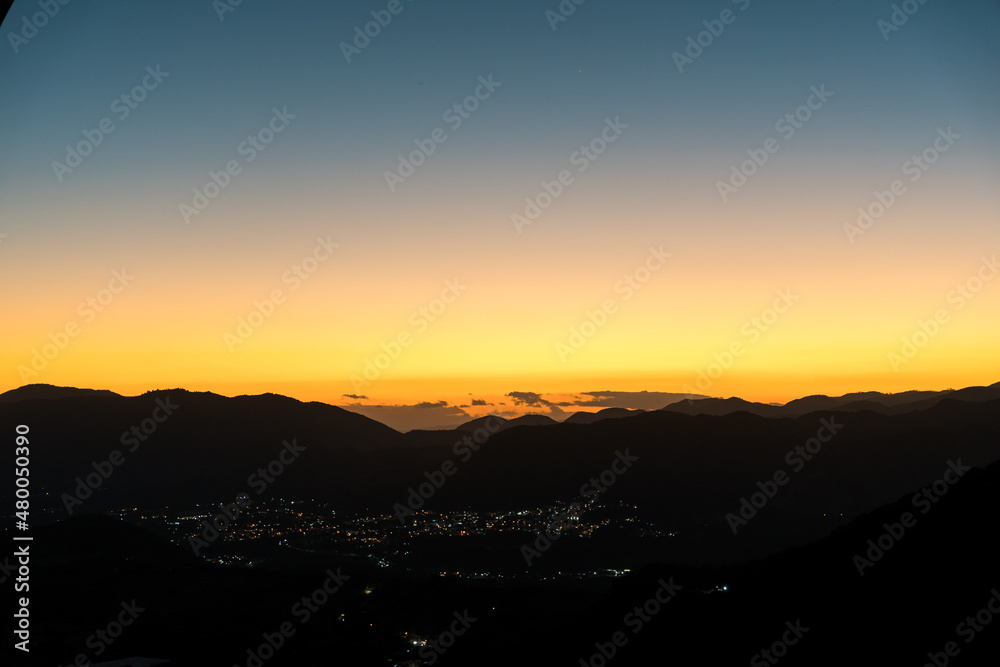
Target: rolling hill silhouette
column 900, row 403
column 692, row 470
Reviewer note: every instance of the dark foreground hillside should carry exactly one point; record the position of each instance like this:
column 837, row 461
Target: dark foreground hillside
column 912, row 600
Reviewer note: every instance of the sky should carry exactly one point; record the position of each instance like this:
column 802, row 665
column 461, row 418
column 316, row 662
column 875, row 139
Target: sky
column 479, row 201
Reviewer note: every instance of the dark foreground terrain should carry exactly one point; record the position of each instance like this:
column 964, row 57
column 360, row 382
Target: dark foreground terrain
column 913, row 600
column 879, row 550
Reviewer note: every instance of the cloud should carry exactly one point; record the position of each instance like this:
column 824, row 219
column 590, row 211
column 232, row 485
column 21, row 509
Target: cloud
column 531, row 399
column 528, row 398
column 425, row 404
column 479, row 401
column 634, row 400
column 354, row 396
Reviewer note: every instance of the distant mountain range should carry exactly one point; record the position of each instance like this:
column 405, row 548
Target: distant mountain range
column 544, row 420
column 899, row 403
column 696, row 460
column 906, row 401
column 50, row 392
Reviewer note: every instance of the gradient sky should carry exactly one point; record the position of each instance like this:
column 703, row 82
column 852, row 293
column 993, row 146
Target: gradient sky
column 656, row 186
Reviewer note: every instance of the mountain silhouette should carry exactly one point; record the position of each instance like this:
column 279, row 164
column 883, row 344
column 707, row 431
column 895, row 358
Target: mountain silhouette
column 606, row 413
column 48, row 392
column 874, row 401
column 692, row 470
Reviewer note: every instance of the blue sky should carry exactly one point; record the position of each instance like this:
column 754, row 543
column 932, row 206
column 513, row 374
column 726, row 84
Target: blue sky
column 657, row 184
